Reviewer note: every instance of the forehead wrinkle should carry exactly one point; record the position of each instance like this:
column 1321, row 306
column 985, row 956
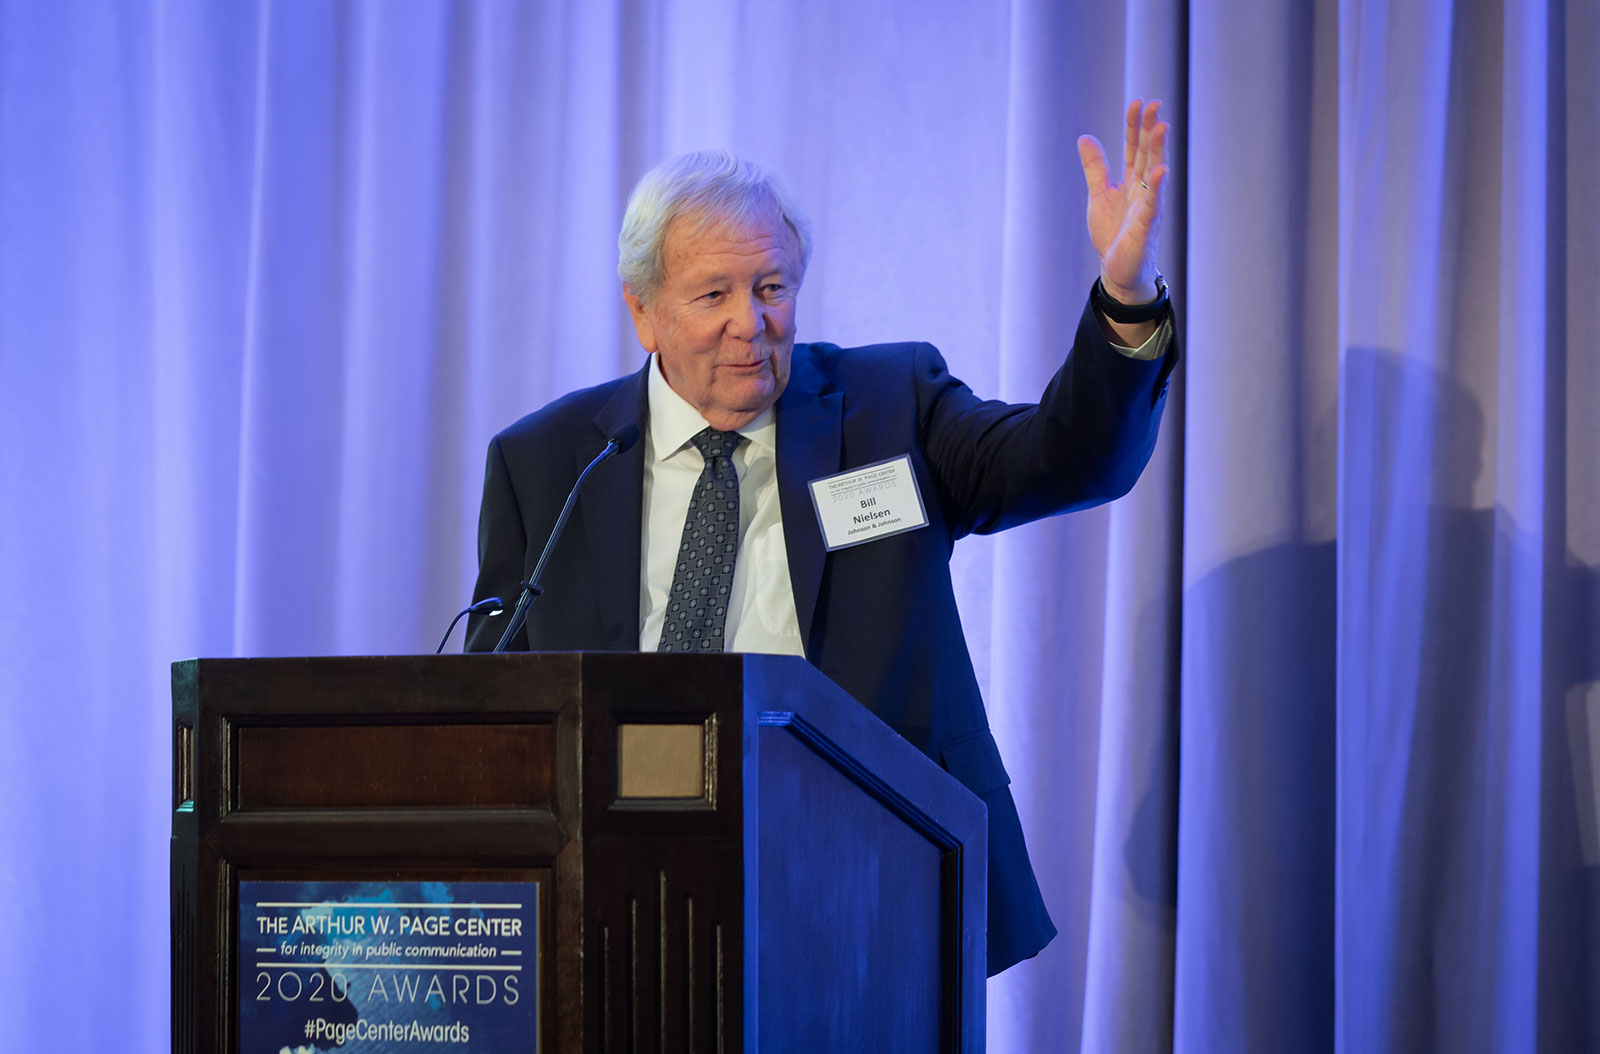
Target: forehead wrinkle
column 724, row 275
column 709, row 266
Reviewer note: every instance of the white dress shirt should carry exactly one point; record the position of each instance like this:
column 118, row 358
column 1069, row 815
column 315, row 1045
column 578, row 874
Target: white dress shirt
column 761, row 614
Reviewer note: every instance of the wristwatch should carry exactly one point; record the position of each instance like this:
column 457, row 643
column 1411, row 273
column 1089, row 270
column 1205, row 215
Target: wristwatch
column 1117, row 311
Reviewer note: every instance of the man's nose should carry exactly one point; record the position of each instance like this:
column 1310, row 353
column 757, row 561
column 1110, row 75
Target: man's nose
column 747, row 319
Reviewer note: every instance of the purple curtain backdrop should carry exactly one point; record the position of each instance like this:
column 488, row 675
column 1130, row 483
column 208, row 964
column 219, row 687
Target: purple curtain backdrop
column 1305, row 731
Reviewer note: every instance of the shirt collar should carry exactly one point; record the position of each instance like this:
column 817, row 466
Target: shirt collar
column 673, row 421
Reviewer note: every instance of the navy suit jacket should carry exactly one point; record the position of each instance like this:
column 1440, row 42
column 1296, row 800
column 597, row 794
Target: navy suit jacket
column 878, row 618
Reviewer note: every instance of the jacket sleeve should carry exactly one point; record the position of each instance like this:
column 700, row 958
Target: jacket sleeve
column 1084, row 443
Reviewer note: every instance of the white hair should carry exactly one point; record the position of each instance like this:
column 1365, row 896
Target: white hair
column 709, row 188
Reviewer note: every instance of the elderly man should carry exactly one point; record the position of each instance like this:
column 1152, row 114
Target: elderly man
column 709, row 535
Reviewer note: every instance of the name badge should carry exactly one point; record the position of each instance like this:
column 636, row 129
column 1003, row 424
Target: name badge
column 868, row 503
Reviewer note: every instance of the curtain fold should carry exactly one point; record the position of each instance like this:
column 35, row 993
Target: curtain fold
column 1304, row 732
column 1454, row 674
column 1257, row 800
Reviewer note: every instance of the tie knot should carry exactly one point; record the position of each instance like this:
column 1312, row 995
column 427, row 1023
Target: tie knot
column 713, row 444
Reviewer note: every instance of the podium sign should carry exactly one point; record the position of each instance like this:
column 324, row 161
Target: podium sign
column 388, row 966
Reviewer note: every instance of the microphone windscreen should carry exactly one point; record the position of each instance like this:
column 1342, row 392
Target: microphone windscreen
column 625, row 437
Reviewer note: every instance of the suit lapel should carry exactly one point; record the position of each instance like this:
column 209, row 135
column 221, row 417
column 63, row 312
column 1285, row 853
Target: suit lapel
column 809, row 434
column 611, row 505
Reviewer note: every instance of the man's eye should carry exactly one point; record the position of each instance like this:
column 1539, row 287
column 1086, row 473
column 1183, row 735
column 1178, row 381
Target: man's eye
column 771, row 289
column 713, row 296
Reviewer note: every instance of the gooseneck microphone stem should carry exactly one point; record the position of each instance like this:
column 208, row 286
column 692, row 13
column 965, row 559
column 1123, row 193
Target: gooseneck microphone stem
column 485, row 604
column 531, row 590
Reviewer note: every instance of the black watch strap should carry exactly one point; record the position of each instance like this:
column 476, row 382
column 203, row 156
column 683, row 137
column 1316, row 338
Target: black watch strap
column 1127, row 314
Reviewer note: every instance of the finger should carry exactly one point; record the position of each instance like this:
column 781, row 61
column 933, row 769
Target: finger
column 1143, row 222
column 1130, row 145
column 1147, row 120
column 1149, row 210
column 1152, row 153
column 1157, row 178
column 1157, row 154
column 1093, row 157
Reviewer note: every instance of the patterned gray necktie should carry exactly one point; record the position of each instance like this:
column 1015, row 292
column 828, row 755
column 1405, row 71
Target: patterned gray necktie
column 697, row 607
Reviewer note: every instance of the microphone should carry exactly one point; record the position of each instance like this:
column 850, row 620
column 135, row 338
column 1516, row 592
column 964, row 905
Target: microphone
column 483, row 605
column 622, row 440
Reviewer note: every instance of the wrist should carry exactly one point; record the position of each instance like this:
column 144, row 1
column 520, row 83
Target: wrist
column 1118, row 304
column 1131, row 296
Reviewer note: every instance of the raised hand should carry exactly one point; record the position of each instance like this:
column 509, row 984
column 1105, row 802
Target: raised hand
column 1125, row 219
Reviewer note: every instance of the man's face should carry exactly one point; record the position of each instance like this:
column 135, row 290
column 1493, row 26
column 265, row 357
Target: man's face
column 723, row 319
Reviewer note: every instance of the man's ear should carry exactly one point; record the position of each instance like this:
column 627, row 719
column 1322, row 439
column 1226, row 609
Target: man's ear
column 642, row 324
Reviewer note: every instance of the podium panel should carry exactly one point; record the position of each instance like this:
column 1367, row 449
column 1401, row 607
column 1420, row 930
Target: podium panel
column 554, row 852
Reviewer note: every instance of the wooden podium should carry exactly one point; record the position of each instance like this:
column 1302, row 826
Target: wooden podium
column 729, row 852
